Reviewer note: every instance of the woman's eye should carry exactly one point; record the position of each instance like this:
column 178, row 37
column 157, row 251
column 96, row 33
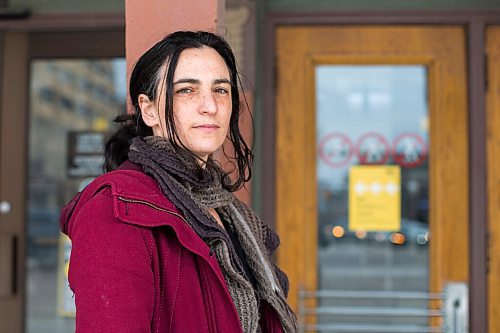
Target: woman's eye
column 184, row 91
column 222, row 91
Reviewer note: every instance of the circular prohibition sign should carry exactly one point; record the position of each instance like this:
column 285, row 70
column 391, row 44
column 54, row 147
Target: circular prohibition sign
column 372, row 148
column 410, row 150
column 336, row 150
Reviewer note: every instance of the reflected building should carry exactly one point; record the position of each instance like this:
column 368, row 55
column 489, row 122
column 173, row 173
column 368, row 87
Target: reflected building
column 65, row 95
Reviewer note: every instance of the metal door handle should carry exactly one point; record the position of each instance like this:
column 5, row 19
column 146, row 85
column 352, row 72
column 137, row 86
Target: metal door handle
column 8, row 264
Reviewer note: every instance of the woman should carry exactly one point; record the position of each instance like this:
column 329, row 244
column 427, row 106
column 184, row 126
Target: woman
column 160, row 244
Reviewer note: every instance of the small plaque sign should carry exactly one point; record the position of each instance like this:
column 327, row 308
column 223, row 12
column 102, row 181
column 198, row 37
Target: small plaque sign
column 86, row 153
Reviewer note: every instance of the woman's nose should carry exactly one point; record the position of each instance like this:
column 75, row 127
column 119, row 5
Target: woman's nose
column 209, row 104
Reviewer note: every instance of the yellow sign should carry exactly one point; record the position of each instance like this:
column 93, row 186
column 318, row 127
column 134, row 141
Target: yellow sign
column 375, row 198
column 65, row 299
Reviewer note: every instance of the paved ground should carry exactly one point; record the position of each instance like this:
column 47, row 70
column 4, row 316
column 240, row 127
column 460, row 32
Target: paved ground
column 42, row 316
column 351, row 264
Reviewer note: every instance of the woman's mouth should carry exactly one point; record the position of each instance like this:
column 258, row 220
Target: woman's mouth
column 207, row 127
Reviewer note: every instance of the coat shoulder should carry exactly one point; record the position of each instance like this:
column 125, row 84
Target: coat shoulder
column 126, row 195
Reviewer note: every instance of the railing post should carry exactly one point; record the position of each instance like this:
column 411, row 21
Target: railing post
column 301, row 310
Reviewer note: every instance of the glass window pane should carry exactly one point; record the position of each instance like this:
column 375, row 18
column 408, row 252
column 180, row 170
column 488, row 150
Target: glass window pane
column 372, row 115
column 72, row 104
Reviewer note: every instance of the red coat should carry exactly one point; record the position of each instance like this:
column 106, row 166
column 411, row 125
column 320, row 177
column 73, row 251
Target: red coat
column 136, row 266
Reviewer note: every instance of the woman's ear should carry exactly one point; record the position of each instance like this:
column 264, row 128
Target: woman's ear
column 149, row 111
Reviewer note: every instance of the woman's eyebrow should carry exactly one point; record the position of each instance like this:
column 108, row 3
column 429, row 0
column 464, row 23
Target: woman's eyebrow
column 219, row 81
column 192, row 81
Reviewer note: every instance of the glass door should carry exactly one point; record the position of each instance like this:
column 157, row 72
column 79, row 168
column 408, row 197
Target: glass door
column 372, row 131
column 72, row 106
column 59, row 93
column 372, row 174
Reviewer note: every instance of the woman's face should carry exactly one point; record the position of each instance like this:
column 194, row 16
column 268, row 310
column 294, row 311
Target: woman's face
column 201, row 102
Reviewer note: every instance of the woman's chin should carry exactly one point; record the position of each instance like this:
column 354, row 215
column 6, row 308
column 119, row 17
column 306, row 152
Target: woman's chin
column 203, row 153
column 204, row 150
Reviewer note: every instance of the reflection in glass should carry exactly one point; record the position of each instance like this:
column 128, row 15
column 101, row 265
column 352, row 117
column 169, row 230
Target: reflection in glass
column 68, row 98
column 372, row 115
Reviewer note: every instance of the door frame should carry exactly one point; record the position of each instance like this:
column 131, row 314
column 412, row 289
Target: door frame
column 38, row 37
column 474, row 23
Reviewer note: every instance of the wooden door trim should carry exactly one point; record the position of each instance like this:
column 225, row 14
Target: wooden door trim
column 475, row 23
column 65, row 22
column 493, row 148
column 478, row 196
column 439, row 17
column 90, row 44
column 13, row 167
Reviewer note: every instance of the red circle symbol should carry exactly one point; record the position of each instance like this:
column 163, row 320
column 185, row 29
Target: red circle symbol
column 372, row 148
column 336, row 150
column 410, row 150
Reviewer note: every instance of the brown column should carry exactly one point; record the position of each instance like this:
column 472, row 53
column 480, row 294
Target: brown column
column 147, row 21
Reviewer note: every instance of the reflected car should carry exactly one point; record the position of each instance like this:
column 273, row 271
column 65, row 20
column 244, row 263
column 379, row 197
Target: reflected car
column 412, row 232
column 416, row 232
column 334, row 232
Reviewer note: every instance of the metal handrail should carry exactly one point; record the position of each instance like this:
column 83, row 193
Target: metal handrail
column 372, row 311
column 370, row 294
column 341, row 328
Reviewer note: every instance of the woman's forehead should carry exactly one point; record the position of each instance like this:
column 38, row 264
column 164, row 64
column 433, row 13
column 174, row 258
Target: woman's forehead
column 204, row 62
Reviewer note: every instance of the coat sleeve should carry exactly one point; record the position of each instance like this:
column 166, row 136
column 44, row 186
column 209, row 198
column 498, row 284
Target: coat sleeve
column 110, row 271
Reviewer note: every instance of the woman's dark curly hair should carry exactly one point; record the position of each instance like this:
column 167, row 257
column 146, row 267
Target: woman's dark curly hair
column 146, row 78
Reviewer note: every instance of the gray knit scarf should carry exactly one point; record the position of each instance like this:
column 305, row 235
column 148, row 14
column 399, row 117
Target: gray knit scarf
column 193, row 191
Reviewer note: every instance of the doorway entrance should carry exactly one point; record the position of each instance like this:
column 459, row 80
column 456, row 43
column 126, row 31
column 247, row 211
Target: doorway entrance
column 60, row 92
column 372, row 167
